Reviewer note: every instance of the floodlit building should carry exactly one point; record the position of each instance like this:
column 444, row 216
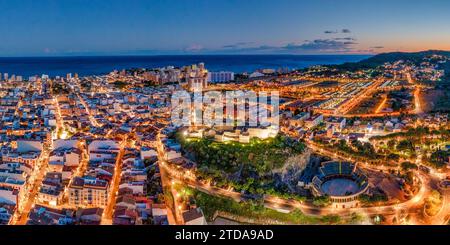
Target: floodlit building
column 88, row 191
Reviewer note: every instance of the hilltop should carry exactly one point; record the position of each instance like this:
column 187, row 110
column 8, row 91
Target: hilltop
column 415, row 57
column 380, row 59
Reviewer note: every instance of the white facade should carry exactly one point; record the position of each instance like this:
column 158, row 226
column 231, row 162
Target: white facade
column 103, row 145
column 148, row 153
column 60, row 143
column 221, row 76
column 172, row 155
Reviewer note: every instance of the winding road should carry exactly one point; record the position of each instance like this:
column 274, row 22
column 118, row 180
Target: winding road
column 410, row 206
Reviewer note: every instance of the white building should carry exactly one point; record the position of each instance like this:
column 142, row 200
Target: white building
column 68, row 157
column 256, row 74
column 148, row 153
column 220, row 77
column 103, row 145
column 196, row 77
column 88, row 192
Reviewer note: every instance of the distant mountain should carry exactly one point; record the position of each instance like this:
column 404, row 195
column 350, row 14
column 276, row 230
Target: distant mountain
column 415, row 57
column 382, row 58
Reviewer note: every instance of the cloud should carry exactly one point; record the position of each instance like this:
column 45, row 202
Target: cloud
column 257, row 49
column 377, row 47
column 332, row 45
column 364, row 51
column 194, row 48
column 237, row 45
column 345, row 38
column 321, row 45
column 345, row 30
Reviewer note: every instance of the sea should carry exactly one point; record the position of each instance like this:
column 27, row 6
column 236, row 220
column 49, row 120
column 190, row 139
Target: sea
column 98, row 65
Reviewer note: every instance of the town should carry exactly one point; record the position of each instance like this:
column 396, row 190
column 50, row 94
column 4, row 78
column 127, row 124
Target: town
column 352, row 146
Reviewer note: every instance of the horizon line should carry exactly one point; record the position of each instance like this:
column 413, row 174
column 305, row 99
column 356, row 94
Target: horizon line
column 124, row 54
column 148, row 55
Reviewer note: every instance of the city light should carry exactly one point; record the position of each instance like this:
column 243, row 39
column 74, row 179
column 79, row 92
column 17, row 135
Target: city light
column 354, row 140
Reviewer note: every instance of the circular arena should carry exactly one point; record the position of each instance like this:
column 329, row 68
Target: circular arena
column 343, row 182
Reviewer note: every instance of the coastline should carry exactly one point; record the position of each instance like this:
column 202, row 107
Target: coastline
column 100, row 65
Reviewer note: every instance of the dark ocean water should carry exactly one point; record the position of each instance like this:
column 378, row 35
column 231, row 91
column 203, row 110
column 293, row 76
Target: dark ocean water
column 96, row 65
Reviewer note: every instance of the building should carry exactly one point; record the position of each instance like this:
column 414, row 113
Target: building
column 29, row 145
column 6, row 211
column 220, row 77
column 344, row 195
column 196, row 77
column 88, row 191
column 337, row 122
column 194, row 217
column 41, row 215
column 256, row 74
column 109, row 145
column 89, row 216
column 51, row 192
column 28, row 158
column 299, row 119
column 314, row 121
column 100, row 150
column 148, row 153
column 68, row 156
column 8, row 195
column 242, row 135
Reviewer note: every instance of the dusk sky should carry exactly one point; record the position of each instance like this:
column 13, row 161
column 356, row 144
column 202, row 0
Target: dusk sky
column 98, row 27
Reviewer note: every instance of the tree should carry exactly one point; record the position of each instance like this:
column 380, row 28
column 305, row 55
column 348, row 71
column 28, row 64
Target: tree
column 331, row 219
column 439, row 158
column 321, row 201
column 393, row 157
column 355, row 218
column 409, row 178
column 368, row 149
column 374, row 198
column 342, row 144
column 405, row 145
column 391, row 144
column 408, row 166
